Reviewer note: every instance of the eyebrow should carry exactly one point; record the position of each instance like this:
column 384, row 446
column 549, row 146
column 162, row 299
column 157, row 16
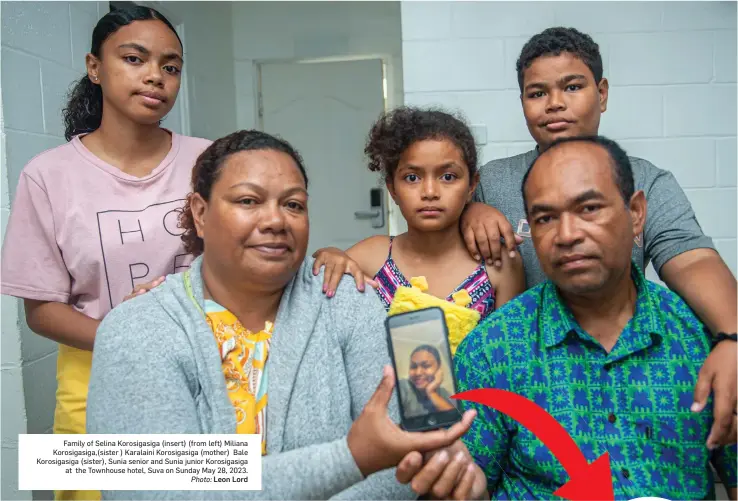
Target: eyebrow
column 563, row 80
column 580, row 199
column 256, row 187
column 447, row 165
column 143, row 50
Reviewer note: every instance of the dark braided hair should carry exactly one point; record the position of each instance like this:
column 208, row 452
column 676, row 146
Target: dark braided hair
column 208, row 166
column 397, row 130
column 554, row 41
column 84, row 109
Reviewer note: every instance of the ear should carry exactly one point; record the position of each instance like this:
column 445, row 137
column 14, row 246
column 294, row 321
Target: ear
column 199, row 208
column 638, row 209
column 603, row 88
column 391, row 188
column 93, row 68
column 473, row 186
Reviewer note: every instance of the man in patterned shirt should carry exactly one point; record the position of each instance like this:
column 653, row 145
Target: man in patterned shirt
column 611, row 356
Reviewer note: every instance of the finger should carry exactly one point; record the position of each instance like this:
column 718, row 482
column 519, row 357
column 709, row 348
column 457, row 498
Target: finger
column 319, row 262
column 381, row 397
column 701, row 390
column 372, row 283
column 506, row 230
column 444, row 486
column 463, row 490
column 518, row 239
column 359, row 277
column 471, row 243
column 410, row 465
column 328, row 279
column 482, row 242
column 495, row 246
column 723, row 419
column 425, row 479
column 426, row 441
column 336, row 275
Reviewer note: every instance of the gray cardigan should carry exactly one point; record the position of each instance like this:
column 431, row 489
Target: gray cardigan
column 156, row 369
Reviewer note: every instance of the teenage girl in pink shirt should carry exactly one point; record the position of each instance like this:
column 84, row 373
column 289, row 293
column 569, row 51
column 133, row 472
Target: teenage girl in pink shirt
column 96, row 218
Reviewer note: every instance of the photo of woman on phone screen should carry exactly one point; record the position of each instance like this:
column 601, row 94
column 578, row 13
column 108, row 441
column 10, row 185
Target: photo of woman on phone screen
column 422, row 392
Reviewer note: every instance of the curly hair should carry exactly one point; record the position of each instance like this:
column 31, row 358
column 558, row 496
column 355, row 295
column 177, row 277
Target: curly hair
column 554, row 41
column 208, row 167
column 395, row 131
column 84, row 109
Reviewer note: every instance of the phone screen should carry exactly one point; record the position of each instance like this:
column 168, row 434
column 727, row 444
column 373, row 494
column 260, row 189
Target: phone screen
column 422, row 360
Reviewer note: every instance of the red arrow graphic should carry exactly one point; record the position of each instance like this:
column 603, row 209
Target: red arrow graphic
column 586, row 481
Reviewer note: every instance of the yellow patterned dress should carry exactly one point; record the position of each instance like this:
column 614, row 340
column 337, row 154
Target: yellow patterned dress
column 244, row 355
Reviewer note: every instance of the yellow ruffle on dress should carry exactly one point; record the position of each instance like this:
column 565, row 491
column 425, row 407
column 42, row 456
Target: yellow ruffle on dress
column 459, row 319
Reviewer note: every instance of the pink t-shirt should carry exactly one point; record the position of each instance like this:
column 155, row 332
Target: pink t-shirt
column 85, row 233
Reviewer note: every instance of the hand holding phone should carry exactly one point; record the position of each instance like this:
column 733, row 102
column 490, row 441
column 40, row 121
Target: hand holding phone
column 376, row 443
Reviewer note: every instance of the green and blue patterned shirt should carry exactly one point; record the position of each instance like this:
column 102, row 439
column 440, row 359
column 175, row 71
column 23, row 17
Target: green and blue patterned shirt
column 633, row 402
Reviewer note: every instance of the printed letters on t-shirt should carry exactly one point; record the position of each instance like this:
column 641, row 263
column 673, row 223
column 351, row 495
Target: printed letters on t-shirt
column 134, row 246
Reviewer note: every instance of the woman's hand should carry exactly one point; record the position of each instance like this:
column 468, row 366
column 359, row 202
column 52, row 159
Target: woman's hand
column 337, row 263
column 482, row 226
column 447, row 474
column 435, row 383
column 139, row 290
column 376, row 443
column 718, row 374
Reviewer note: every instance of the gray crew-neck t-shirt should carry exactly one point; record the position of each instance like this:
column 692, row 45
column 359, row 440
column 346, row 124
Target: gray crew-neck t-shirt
column 671, row 226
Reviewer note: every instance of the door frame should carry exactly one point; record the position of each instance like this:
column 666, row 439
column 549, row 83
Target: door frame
column 395, row 222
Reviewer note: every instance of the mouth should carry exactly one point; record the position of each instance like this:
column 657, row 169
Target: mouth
column 556, row 124
column 272, row 248
column 430, row 211
column 574, row 261
column 152, row 98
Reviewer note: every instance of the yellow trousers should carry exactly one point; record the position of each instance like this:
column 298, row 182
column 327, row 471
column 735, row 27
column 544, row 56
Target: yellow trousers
column 73, row 377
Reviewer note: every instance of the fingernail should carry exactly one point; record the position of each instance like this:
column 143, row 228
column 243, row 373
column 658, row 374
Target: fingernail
column 330, row 293
column 498, row 263
column 695, row 407
column 512, row 254
column 324, row 289
column 470, row 468
column 459, row 456
column 476, row 257
column 442, row 456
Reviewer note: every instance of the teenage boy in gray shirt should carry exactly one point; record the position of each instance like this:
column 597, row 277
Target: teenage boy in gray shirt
column 563, row 93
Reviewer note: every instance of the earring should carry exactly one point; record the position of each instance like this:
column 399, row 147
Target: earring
column 94, row 78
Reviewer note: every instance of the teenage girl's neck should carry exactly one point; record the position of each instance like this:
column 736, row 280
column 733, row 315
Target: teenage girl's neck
column 128, row 143
column 433, row 245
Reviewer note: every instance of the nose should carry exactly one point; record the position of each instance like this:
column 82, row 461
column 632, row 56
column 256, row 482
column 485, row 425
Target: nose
column 568, row 233
column 555, row 101
column 154, row 76
column 429, row 189
column 271, row 218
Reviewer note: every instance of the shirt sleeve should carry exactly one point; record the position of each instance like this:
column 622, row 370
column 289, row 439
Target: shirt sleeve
column 724, row 461
column 488, row 439
column 32, row 263
column 671, row 225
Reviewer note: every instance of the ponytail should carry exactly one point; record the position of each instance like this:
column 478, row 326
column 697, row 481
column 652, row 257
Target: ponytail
column 83, row 112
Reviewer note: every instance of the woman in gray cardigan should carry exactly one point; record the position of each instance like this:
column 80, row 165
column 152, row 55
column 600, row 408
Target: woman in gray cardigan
column 157, row 367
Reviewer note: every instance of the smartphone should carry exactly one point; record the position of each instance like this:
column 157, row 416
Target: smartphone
column 421, row 357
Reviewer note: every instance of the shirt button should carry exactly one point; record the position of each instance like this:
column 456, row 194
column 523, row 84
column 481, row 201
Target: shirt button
column 611, row 418
column 626, row 473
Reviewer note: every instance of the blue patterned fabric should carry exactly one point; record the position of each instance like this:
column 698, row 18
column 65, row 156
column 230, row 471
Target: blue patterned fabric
column 633, row 402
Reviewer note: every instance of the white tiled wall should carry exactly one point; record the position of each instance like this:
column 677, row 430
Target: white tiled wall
column 42, row 53
column 672, row 73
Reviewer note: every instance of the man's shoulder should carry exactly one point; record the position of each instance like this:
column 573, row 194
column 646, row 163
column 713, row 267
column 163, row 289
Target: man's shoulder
column 516, row 164
column 678, row 318
column 514, row 318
